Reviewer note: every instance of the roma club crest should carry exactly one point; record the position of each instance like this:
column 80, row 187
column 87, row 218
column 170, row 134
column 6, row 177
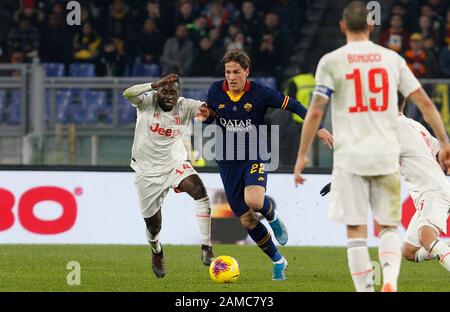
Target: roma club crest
column 248, row 107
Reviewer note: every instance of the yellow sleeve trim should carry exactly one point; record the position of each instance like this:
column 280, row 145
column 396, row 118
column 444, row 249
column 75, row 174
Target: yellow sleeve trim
column 285, row 102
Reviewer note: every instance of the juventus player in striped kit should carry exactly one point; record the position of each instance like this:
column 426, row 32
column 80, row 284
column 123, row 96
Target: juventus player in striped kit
column 363, row 78
column 159, row 159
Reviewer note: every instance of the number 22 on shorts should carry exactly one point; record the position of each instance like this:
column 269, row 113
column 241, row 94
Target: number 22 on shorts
column 257, row 168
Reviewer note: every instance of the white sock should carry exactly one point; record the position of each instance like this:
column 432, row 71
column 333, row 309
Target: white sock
column 422, row 255
column 203, row 214
column 359, row 264
column 153, row 240
column 442, row 252
column 389, row 254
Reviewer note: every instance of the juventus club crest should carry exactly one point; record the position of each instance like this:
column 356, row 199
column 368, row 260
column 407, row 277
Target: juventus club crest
column 177, row 119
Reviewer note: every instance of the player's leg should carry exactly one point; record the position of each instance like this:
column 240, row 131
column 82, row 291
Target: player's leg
column 429, row 239
column 387, row 211
column 389, row 254
column 409, row 251
column 256, row 199
column 412, row 249
column 153, row 227
column 261, row 236
column 431, row 221
column 151, row 192
column 193, row 185
column 437, row 248
column 349, row 205
column 359, row 259
column 233, row 178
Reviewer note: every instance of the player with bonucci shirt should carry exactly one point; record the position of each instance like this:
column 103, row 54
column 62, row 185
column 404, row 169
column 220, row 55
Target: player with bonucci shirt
column 363, row 92
column 429, row 189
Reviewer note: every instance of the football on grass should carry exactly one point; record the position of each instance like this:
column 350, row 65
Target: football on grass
column 224, row 269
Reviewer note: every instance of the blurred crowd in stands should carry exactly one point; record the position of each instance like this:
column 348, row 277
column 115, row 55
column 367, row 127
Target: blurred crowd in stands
column 183, row 36
column 420, row 31
column 152, row 38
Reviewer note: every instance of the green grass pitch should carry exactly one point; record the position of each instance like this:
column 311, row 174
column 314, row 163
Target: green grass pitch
column 128, row 268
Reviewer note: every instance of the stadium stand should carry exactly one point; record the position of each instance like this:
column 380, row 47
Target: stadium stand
column 198, row 94
column 14, row 111
column 127, row 113
column 54, row 69
column 266, row 81
column 82, row 70
column 2, row 104
column 93, row 105
column 150, row 70
column 63, row 99
column 124, row 49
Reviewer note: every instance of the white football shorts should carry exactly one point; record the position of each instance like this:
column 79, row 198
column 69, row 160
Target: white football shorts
column 432, row 211
column 152, row 190
column 352, row 194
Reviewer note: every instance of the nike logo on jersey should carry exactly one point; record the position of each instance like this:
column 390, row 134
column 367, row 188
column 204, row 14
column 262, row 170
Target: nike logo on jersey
column 165, row 132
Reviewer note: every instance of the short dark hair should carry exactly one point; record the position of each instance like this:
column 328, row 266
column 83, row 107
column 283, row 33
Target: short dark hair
column 355, row 17
column 401, row 101
column 237, row 56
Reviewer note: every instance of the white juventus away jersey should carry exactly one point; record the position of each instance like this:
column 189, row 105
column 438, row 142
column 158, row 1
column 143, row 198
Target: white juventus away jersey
column 362, row 79
column 418, row 164
column 158, row 137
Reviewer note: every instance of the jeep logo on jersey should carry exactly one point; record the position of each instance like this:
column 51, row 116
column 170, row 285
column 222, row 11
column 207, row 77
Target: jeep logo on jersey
column 165, row 132
column 236, row 124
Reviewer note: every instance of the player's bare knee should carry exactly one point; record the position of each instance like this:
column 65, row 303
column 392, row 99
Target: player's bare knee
column 427, row 235
column 199, row 192
column 249, row 220
column 254, row 203
column 356, row 231
column 153, row 225
column 194, row 187
column 426, row 241
column 408, row 254
column 154, row 229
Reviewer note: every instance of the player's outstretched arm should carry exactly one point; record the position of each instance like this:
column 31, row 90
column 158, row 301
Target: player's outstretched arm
column 135, row 93
column 204, row 113
column 310, row 127
column 432, row 117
